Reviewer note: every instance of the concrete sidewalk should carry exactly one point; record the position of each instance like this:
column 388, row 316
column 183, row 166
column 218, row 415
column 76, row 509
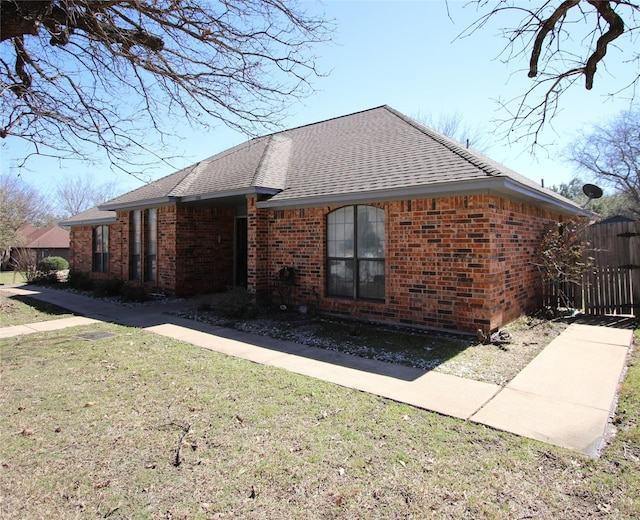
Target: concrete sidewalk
column 565, row 396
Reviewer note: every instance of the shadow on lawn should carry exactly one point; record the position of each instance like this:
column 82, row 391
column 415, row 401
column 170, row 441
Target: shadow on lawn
column 398, row 352
column 38, row 305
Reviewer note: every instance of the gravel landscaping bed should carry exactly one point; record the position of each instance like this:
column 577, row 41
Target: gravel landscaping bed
column 455, row 354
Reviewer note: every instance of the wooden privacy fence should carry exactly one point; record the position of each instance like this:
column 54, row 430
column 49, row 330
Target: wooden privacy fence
column 604, row 290
column 613, row 285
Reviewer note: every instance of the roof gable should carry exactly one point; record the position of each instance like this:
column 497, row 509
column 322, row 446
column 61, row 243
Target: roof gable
column 52, row 237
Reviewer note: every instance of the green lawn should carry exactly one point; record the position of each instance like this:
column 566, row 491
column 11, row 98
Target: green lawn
column 141, row 426
column 11, row 277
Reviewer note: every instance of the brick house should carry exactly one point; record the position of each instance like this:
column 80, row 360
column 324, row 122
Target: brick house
column 36, row 243
column 380, row 217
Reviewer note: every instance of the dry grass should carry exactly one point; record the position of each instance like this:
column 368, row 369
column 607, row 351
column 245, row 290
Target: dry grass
column 96, row 429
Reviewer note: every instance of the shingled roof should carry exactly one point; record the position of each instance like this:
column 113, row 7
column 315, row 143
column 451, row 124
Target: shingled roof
column 52, row 237
column 376, row 154
column 92, row 216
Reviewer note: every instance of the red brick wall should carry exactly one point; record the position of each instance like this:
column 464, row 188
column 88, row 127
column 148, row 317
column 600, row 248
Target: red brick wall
column 258, row 241
column 202, row 258
column 297, row 239
column 458, row 263
column 195, row 250
column 81, row 248
column 517, row 230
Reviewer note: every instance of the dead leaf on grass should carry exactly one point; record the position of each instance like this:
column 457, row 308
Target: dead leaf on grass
column 26, row 432
column 89, row 404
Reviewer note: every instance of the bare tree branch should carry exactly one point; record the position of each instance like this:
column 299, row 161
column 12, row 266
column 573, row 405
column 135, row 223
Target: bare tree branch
column 610, row 154
column 546, row 27
column 616, row 28
column 563, row 41
column 78, row 76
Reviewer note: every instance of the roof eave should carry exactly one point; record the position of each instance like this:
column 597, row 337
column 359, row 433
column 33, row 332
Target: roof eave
column 496, row 184
column 549, row 200
column 136, row 204
column 88, row 222
column 230, row 193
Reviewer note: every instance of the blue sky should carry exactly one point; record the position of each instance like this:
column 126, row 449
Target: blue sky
column 403, row 54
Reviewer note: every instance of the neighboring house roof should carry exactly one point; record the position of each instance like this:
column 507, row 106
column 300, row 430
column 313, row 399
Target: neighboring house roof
column 91, row 216
column 53, row 237
column 615, row 219
column 378, row 154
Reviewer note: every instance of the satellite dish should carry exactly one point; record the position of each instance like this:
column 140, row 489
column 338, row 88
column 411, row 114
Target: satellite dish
column 592, row 191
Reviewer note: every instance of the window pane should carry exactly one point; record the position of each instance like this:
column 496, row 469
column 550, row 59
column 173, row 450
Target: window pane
column 371, row 279
column 100, row 249
column 135, row 268
column 370, row 232
column 136, row 239
column 340, row 278
column 134, row 273
column 97, row 238
column 150, row 268
column 151, row 233
column 340, row 233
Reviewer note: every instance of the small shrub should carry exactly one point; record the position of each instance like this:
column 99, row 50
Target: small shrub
column 205, row 307
column 80, row 281
column 133, row 293
column 237, row 303
column 37, row 277
column 107, row 288
column 53, row 263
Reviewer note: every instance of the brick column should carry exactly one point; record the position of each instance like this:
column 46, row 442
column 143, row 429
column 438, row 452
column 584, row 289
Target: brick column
column 257, row 248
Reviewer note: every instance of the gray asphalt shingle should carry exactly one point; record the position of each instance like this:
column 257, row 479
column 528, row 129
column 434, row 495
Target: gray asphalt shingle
column 369, row 151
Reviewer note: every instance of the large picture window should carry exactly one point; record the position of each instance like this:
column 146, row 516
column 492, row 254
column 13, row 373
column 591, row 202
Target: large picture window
column 101, row 249
column 356, row 252
column 143, row 257
column 151, row 246
column 135, row 268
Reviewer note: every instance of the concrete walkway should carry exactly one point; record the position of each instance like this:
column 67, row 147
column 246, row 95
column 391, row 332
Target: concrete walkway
column 565, row 396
